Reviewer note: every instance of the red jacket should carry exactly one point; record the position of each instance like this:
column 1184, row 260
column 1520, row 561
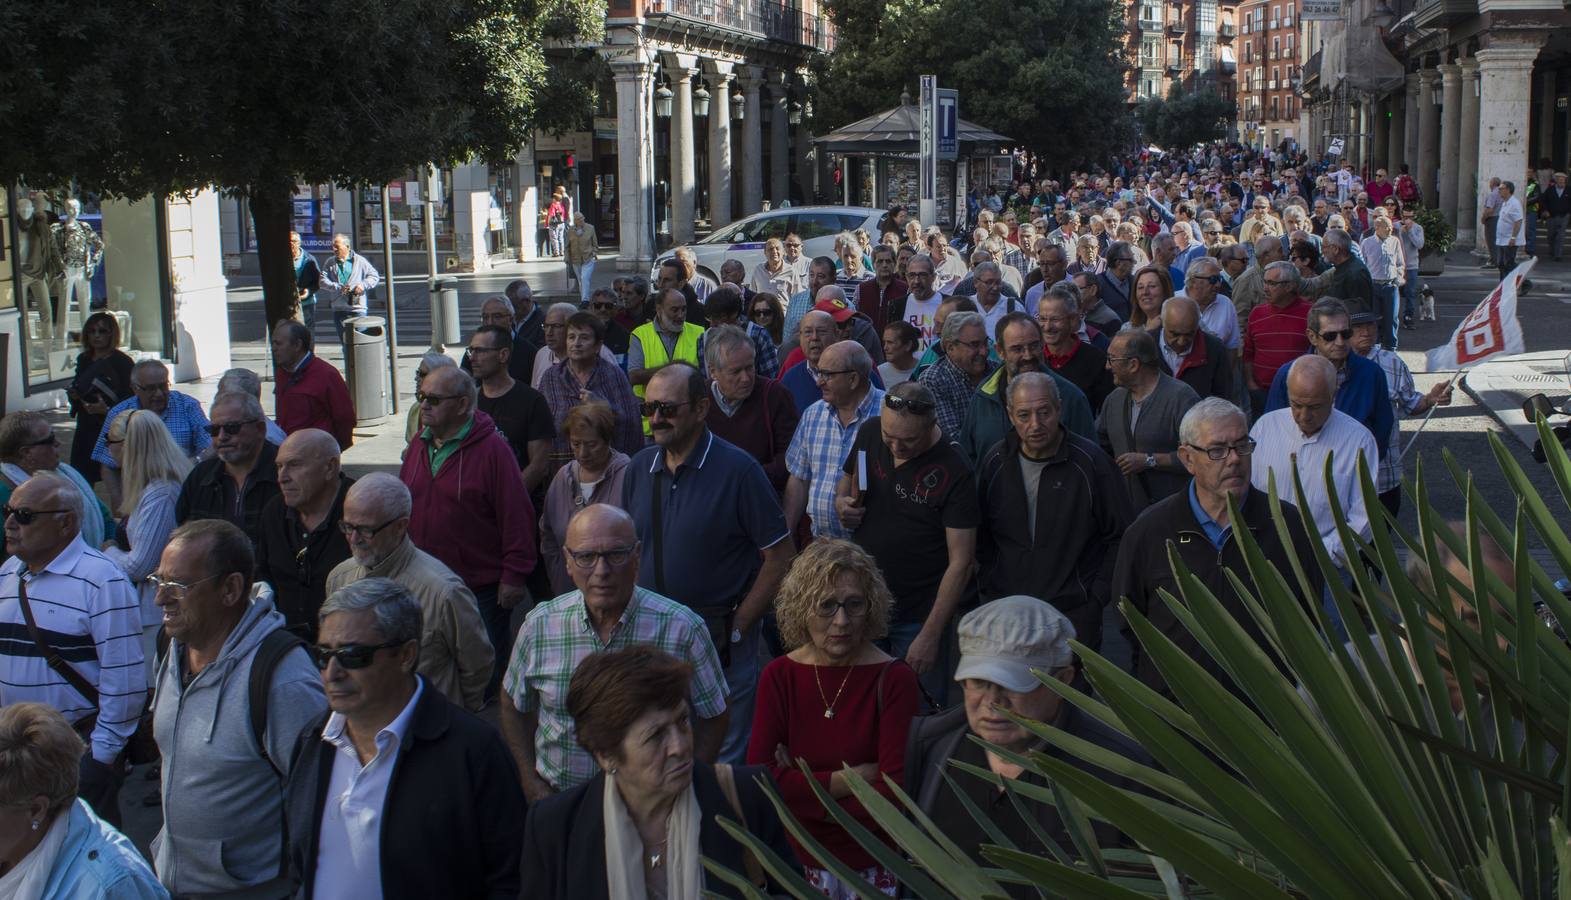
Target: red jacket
column 314, row 396
column 474, row 514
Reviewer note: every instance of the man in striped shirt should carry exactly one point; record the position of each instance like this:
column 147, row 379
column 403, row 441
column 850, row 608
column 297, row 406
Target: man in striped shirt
column 87, row 613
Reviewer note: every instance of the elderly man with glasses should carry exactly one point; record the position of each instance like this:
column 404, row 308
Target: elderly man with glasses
column 471, row 510
column 498, row 311
column 1197, row 523
column 182, row 415
column 1360, row 384
column 607, row 611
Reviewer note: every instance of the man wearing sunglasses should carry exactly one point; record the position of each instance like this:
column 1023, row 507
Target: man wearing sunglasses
column 471, row 510
column 917, row 517
column 308, row 391
column 455, row 651
column 397, row 793
column 1216, row 449
column 222, row 778
column 601, row 544
column 241, row 477
column 89, row 619
column 1203, row 284
column 605, row 304
column 1360, row 388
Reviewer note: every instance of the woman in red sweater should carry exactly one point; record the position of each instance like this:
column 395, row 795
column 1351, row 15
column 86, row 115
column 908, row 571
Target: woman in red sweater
column 834, row 700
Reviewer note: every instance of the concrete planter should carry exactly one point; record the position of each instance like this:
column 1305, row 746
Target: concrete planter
column 1431, row 263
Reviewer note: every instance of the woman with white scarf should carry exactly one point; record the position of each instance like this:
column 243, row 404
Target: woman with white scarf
column 28, row 444
column 52, row 847
column 638, row 830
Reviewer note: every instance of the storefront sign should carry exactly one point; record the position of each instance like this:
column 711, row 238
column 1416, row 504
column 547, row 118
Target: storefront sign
column 1320, row 11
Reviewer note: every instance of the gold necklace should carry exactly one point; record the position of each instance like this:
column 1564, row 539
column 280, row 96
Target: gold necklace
column 829, row 705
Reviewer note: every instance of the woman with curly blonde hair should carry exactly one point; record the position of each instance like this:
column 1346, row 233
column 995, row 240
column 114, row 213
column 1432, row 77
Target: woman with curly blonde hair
column 834, row 700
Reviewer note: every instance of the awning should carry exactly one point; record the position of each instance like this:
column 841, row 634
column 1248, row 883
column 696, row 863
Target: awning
column 896, row 131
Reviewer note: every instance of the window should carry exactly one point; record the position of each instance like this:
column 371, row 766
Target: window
column 1289, row 43
column 771, row 226
column 812, row 225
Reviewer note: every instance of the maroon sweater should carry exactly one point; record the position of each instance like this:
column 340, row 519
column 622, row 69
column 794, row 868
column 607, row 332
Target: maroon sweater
column 762, row 427
column 314, row 396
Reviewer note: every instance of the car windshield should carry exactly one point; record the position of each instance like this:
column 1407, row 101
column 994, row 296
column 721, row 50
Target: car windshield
column 751, row 231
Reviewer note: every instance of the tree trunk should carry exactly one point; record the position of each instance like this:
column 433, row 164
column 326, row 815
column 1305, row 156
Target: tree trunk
column 272, row 210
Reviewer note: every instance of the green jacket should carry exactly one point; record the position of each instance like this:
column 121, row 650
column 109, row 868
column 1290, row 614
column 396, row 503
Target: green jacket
column 987, row 421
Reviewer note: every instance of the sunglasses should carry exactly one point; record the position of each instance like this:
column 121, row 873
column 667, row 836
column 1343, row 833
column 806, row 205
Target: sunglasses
column 1330, row 337
column 424, row 399
column 229, row 428
column 25, row 516
column 607, row 307
column 905, row 404
column 666, row 410
column 350, row 656
column 763, row 313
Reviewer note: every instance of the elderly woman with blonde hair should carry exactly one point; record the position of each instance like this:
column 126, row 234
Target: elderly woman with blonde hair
column 834, row 700
column 52, row 846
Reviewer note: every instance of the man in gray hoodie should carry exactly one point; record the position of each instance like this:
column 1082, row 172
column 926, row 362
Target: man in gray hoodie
column 222, row 778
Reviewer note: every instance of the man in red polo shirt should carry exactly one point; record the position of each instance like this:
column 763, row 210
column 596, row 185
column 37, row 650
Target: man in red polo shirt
column 308, row 392
column 1276, row 333
column 1082, row 363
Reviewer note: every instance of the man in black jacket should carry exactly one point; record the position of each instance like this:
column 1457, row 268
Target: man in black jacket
column 1054, row 507
column 397, row 793
column 239, row 480
column 1214, row 445
column 1195, row 357
column 299, row 542
column 1349, row 281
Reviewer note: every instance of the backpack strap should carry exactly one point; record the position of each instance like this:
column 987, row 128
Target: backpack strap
column 269, row 654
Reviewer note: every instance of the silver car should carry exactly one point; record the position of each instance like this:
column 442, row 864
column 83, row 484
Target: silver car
column 744, row 240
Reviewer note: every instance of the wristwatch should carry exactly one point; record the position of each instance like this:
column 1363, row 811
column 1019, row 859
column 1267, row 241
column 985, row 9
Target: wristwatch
column 1150, row 460
column 736, row 635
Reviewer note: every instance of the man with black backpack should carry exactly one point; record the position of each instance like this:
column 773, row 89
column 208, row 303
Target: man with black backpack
column 234, row 692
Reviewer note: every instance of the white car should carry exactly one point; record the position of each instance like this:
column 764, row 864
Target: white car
column 744, row 240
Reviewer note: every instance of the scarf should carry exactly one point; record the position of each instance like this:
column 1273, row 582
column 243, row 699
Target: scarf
column 27, row 880
column 625, row 853
column 92, row 521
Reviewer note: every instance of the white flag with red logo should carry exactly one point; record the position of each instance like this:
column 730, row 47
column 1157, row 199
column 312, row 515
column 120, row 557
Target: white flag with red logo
column 1491, row 328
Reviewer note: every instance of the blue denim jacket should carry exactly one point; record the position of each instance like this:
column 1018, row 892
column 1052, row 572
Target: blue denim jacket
column 99, row 863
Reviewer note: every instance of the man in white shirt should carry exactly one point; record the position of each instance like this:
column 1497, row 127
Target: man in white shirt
column 1508, row 229
column 397, row 767
column 1301, row 437
column 1202, row 284
column 921, row 307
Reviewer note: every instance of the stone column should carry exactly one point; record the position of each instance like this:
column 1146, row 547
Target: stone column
column 1428, row 135
column 1467, row 187
column 720, row 145
column 683, row 177
column 1546, row 116
column 1450, row 137
column 1380, row 137
column 1396, row 134
column 779, row 140
column 635, row 148
column 1410, row 145
column 1505, row 98
column 752, row 79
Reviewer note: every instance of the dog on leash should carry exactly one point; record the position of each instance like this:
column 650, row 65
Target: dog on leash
column 1426, row 305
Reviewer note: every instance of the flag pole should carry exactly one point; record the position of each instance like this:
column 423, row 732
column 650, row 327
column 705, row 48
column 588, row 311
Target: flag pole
column 1414, row 439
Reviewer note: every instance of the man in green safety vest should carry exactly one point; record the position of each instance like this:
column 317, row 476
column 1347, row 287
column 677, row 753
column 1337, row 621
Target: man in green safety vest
column 668, row 338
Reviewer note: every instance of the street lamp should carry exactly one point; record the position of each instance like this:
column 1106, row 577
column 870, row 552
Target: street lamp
column 701, row 101
column 663, row 97
column 738, row 106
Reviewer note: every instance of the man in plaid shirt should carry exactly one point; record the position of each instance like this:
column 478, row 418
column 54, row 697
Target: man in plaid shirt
column 607, row 612
column 1405, row 401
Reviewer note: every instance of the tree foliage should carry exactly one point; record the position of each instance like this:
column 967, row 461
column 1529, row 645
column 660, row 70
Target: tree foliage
column 1185, row 119
column 252, row 95
column 1048, row 73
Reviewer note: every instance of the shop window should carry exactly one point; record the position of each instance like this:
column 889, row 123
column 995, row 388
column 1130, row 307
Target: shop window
column 312, row 218
column 72, row 253
column 406, row 200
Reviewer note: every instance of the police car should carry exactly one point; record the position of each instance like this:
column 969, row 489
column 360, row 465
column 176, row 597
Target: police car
column 744, row 240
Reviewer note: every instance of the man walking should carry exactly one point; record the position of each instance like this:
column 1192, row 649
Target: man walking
column 1508, row 232
column 825, row 434
column 346, row 278
column 963, row 366
column 1139, row 422
column 307, row 391
column 987, row 421
column 1556, row 206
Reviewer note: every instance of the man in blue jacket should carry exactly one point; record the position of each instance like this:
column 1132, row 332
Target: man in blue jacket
column 1361, row 389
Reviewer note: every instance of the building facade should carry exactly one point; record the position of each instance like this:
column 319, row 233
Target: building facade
column 1457, row 91
column 699, row 122
column 1187, row 44
column 1268, row 72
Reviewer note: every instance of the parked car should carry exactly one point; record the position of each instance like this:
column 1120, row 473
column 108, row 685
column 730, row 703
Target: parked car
column 744, row 240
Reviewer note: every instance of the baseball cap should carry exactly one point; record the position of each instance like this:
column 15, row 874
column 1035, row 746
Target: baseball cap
column 1362, row 318
column 839, row 309
column 1004, row 640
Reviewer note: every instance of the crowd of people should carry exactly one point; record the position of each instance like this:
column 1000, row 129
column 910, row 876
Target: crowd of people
column 818, row 518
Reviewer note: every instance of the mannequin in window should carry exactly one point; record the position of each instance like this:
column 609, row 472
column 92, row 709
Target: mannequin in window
column 80, row 250
column 40, row 263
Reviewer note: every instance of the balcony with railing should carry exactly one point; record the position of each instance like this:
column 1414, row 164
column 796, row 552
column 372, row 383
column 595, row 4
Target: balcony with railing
column 768, row 19
column 1176, row 26
column 1227, row 29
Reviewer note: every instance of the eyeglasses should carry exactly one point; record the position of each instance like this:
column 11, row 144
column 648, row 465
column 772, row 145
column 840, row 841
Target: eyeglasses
column 25, row 516
column 604, row 307
column 1332, row 337
column 474, row 350
column 1119, row 358
column 1244, row 447
column 151, row 388
column 174, row 588
column 589, row 560
column 53, row 440
column 855, row 608
column 1280, row 282
column 826, row 374
column 349, row 656
column 229, row 428
column 365, row 532
column 1214, row 279
column 763, row 314
column 793, row 246
column 666, row 410
column 425, row 399
column 906, row 404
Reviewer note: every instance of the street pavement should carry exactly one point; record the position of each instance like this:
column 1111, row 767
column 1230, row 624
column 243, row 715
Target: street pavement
column 1462, row 428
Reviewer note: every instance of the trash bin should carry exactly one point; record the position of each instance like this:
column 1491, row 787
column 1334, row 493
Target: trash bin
column 444, row 311
column 367, row 367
